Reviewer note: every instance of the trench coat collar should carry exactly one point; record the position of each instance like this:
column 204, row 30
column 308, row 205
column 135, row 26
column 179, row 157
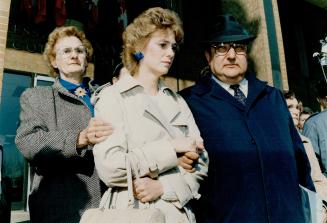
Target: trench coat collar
column 208, row 86
column 166, row 118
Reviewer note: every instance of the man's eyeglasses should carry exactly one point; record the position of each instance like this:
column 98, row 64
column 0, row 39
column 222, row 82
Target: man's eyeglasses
column 222, row 49
column 67, row 52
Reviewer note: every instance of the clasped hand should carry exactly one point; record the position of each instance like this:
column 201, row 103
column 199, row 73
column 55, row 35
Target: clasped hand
column 96, row 131
column 147, row 189
column 188, row 150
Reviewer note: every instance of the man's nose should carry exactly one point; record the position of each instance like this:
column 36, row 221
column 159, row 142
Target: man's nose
column 231, row 53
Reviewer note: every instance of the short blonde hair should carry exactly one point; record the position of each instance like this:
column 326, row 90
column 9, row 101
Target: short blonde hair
column 137, row 34
column 49, row 53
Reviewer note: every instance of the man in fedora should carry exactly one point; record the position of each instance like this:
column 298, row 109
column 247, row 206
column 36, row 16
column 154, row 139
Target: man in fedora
column 257, row 159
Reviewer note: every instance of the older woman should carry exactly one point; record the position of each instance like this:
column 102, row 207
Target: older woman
column 153, row 125
column 57, row 133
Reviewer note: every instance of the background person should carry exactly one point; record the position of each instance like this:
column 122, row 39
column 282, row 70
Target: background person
column 319, row 180
column 257, row 159
column 57, row 133
column 153, row 125
column 315, row 128
column 305, row 113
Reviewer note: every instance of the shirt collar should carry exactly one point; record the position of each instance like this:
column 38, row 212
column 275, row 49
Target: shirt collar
column 71, row 86
column 243, row 85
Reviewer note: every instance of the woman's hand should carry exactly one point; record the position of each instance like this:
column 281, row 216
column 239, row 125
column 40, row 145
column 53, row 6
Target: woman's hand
column 96, row 131
column 147, row 189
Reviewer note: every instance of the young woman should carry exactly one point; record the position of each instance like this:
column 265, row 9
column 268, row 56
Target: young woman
column 57, row 133
column 153, row 125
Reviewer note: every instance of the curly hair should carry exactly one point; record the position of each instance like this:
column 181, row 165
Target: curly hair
column 49, row 53
column 137, row 34
column 289, row 94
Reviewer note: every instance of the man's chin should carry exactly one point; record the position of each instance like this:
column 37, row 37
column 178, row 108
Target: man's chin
column 234, row 75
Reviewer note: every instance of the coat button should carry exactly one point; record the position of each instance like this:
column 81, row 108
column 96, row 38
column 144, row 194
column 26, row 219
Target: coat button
column 252, row 141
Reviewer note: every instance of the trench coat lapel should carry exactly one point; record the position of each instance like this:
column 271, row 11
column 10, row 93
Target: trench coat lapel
column 171, row 115
column 165, row 118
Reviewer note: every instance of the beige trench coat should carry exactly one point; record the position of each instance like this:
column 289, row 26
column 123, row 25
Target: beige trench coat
column 318, row 178
column 144, row 130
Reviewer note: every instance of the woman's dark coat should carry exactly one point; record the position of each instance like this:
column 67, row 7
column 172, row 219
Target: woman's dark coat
column 257, row 159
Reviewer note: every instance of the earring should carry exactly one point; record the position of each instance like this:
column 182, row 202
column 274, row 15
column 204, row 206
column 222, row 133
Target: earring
column 138, row 56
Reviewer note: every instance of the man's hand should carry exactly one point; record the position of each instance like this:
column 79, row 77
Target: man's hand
column 184, row 144
column 96, row 131
column 187, row 161
column 147, row 189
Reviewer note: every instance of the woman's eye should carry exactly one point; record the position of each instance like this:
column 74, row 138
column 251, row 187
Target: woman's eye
column 67, row 50
column 163, row 45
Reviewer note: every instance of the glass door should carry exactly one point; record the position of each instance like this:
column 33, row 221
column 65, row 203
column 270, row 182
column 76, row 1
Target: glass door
column 15, row 171
column 13, row 168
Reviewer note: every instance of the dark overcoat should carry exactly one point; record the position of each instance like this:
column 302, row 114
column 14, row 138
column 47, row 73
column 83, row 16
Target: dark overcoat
column 64, row 182
column 257, row 159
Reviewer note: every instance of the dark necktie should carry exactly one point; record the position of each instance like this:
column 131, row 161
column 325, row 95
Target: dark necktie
column 238, row 94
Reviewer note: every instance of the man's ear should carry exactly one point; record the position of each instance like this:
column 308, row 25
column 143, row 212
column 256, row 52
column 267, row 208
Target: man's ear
column 207, row 55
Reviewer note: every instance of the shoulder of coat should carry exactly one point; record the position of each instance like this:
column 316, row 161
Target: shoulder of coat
column 39, row 90
column 317, row 116
column 99, row 91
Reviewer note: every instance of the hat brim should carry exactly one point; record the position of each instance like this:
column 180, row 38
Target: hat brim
column 230, row 38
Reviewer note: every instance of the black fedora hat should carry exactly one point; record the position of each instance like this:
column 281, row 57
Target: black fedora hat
column 227, row 29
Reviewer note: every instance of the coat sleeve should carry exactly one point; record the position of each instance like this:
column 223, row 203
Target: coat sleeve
column 187, row 187
column 110, row 155
column 41, row 145
column 310, row 131
column 319, row 180
column 302, row 161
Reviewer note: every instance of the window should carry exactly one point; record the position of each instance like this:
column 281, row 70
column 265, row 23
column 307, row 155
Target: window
column 15, row 169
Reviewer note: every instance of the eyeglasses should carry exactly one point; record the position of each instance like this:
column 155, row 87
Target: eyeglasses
column 223, row 48
column 67, row 52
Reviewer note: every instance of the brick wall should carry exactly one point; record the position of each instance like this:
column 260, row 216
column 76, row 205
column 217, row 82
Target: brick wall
column 4, row 19
column 31, row 62
column 260, row 52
